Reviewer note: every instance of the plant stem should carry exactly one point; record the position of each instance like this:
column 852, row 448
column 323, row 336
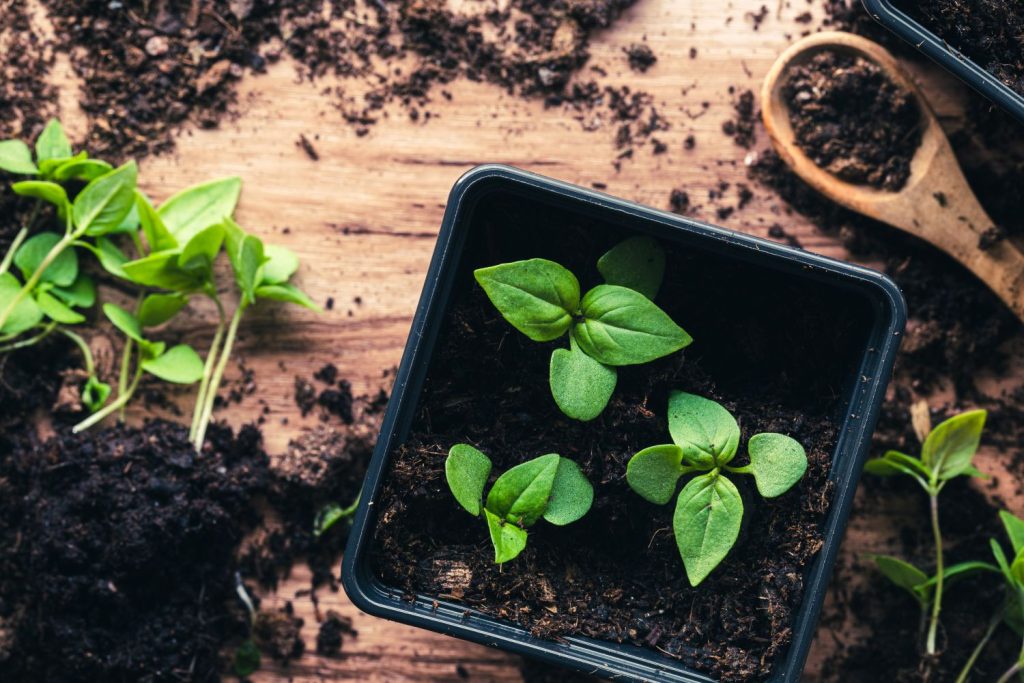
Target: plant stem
column 1016, row 668
column 31, row 340
column 126, row 368
column 5, row 265
column 992, row 626
column 933, row 625
column 218, row 375
column 204, row 384
column 121, row 400
column 90, row 365
column 31, row 283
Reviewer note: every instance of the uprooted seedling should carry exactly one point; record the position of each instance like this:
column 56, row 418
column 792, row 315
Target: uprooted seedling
column 549, row 487
column 709, row 509
column 611, row 325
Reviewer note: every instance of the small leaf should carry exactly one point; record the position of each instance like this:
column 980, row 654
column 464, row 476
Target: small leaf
column 571, row 494
column 508, row 539
column 466, row 470
column 16, row 157
column 247, row 659
column 1017, row 570
column 48, row 167
column 62, row 271
column 103, row 204
column 537, row 297
column 82, row 169
column 200, row 206
column 180, row 365
column 777, row 463
column 654, row 472
column 706, row 523
column 81, row 293
column 1014, row 530
column 53, row 309
column 246, row 262
column 954, row 573
column 157, row 235
column 951, row 446
column 95, row 394
column 1004, row 566
column 52, row 143
column 124, row 321
column 706, row 431
column 521, row 494
column 623, row 327
column 287, row 293
column 201, row 251
column 637, row 263
column 25, row 315
column 161, row 269
column 281, row 265
column 156, row 309
column 894, row 463
column 47, row 191
column 580, row 385
column 903, row 574
column 151, row 350
column 111, row 257
column 331, row 514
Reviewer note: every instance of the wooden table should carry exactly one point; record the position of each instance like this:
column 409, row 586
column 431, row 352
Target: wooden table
column 363, row 219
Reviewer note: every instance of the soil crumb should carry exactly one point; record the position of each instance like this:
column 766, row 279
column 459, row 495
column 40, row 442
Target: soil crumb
column 640, row 56
column 742, row 128
column 330, row 637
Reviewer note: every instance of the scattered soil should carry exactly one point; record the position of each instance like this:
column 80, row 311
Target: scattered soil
column 852, row 120
column 743, row 128
column 330, row 637
column 987, row 31
column 616, row 574
column 641, row 57
column 279, row 634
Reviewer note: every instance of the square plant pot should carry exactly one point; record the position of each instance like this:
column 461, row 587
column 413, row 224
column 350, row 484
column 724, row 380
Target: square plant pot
column 788, row 341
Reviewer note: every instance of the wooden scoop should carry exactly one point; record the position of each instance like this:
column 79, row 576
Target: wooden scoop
column 954, row 228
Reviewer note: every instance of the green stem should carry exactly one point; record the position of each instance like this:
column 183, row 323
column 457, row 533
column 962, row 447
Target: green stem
column 119, row 402
column 933, row 624
column 1015, row 669
column 992, row 626
column 90, row 365
column 746, row 469
column 31, row 340
column 208, row 367
column 31, row 283
column 5, row 265
column 218, row 375
column 126, row 368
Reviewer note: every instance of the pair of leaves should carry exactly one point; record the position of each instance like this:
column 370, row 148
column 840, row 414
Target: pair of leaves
column 179, row 365
column 919, row 584
column 948, row 452
column 549, row 487
column 61, row 287
column 709, row 510
column 54, row 157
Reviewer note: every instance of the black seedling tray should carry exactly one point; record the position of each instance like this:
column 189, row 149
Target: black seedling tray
column 883, row 311
column 946, row 56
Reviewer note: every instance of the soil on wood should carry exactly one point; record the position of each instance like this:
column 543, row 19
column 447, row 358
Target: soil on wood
column 616, row 574
column 986, row 31
column 852, row 120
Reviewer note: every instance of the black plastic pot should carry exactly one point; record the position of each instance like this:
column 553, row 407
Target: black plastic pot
column 881, row 307
column 946, row 56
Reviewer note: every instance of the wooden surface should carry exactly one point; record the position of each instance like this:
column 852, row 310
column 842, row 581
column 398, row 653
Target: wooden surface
column 364, row 218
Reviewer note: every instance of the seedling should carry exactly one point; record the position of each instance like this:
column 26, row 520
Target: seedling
column 550, row 486
column 947, row 452
column 332, row 513
column 611, row 325
column 709, row 509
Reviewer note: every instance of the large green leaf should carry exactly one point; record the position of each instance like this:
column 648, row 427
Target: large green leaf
column 521, row 494
column 16, row 157
column 507, row 538
column 623, row 327
column 201, row 251
column 571, row 494
column 180, row 365
column 466, row 469
column 81, row 169
column 62, row 271
column 706, row 431
column 57, row 311
column 706, row 523
column 52, row 143
column 104, row 203
column 637, row 263
column 777, row 462
column 124, row 321
column 950, row 447
column 580, row 385
column 161, row 269
column 537, row 297
column 25, row 315
column 45, row 190
column 200, row 206
column 156, row 309
column 654, row 472
column 81, row 293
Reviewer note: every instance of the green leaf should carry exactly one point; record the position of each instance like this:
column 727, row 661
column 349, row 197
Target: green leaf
column 894, row 463
column 777, row 462
column 579, row 384
column 706, row 523
column 287, row 293
column 466, row 470
column 623, row 327
column 111, row 257
column 571, row 494
column 508, row 539
column 151, row 350
column 128, row 224
column 201, row 251
column 52, row 143
column 81, row 293
column 47, row 191
column 82, row 169
column 954, row 573
column 904, row 575
column 25, row 315
column 53, row 309
column 246, row 262
column 537, row 297
column 706, row 431
column 331, row 514
column 95, row 394
column 1017, row 570
column 1014, row 530
column 654, row 472
column 951, row 446
column 156, row 309
column 247, row 659
column 1004, row 566
column 281, row 265
column 62, row 271
column 637, row 263
column 180, row 365
column 161, row 269
column 200, row 206
column 16, row 157
column 521, row 494
column 48, row 167
column 157, row 235
column 105, row 201
column 124, row 321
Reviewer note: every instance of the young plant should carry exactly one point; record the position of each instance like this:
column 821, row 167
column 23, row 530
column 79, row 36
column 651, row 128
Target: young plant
column 550, row 486
column 610, row 325
column 947, row 453
column 709, row 509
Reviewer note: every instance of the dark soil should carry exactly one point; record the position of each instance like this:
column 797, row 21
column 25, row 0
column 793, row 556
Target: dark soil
column 989, row 32
column 616, row 574
column 851, row 120
column 640, row 57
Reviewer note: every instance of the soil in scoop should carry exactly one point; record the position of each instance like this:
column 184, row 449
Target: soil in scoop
column 777, row 352
column 987, row 31
column 851, row 120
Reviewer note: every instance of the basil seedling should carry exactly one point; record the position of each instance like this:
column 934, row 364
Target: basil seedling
column 709, row 509
column 549, row 487
column 610, row 325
